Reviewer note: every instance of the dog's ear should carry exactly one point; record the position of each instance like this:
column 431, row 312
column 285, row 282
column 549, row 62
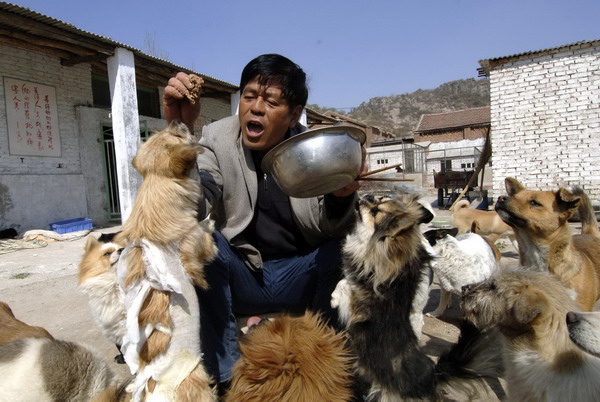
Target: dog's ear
column 182, row 158
column 513, row 186
column 453, row 232
column 566, row 200
column 530, row 304
column 426, row 215
column 90, row 243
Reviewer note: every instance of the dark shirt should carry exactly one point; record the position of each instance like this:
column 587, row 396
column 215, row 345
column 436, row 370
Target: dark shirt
column 272, row 230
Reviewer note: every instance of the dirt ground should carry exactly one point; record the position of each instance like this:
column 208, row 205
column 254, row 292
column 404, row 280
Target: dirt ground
column 40, row 285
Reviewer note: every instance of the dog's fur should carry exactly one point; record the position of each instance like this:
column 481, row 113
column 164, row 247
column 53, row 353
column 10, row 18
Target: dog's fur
column 36, row 367
column 292, row 359
column 584, row 330
column 165, row 213
column 383, row 262
column 459, row 261
column 541, row 362
column 489, row 223
column 12, row 329
column 539, row 219
column 98, row 280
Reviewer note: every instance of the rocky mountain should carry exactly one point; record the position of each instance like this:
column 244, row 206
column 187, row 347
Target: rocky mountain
column 400, row 114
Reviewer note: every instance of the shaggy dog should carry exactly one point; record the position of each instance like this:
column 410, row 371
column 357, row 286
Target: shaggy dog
column 98, row 281
column 292, row 359
column 384, row 259
column 36, row 367
column 165, row 255
column 489, row 222
column 529, row 308
column 584, row 330
column 539, row 219
column 459, row 261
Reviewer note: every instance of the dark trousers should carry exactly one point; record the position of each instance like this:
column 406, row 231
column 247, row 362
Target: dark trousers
column 283, row 285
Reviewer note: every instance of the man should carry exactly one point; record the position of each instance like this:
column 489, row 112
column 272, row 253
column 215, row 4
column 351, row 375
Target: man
column 276, row 253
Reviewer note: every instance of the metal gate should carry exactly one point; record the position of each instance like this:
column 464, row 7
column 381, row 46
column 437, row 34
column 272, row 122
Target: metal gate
column 111, row 193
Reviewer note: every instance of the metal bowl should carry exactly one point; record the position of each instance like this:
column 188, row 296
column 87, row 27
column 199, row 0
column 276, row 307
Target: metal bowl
column 316, row 162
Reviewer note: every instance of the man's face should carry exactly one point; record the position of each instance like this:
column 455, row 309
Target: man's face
column 265, row 116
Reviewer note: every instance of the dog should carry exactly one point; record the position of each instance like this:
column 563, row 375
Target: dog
column 584, row 330
column 459, row 261
column 489, row 222
column 166, row 249
column 383, row 262
column 539, row 219
column 98, row 281
column 292, row 359
column 12, row 329
column 541, row 362
column 36, row 367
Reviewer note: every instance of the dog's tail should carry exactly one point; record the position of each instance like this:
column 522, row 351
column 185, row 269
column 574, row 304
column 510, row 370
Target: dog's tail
column 461, row 372
column 462, row 204
column 589, row 224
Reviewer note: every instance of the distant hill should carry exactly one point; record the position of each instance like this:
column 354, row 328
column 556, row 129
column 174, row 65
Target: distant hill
column 400, row 114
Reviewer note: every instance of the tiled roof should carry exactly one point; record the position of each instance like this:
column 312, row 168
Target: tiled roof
column 461, row 118
column 488, row 65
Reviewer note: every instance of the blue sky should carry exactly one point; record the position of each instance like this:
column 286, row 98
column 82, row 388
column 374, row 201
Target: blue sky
column 351, row 50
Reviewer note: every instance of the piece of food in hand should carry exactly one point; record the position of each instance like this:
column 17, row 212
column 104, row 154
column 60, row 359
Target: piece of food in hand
column 194, row 91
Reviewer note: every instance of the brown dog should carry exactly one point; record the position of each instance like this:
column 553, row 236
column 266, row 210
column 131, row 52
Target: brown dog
column 539, row 219
column 165, row 255
column 489, row 223
column 292, row 359
column 12, row 329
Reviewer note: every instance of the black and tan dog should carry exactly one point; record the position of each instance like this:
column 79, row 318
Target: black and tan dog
column 384, row 260
column 539, row 219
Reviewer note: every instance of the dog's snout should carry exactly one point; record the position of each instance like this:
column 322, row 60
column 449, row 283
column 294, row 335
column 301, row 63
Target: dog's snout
column 368, row 198
column 465, row 289
column 503, row 198
column 572, row 317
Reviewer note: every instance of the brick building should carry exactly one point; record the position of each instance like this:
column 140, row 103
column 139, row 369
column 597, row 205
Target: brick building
column 61, row 164
column 545, row 117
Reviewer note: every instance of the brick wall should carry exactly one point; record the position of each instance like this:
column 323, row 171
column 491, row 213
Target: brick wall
column 545, row 113
column 73, row 87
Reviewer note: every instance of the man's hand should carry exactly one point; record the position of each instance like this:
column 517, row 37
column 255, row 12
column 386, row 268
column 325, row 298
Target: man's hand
column 355, row 185
column 180, row 92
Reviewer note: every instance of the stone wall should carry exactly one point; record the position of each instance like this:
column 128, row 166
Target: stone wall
column 545, row 112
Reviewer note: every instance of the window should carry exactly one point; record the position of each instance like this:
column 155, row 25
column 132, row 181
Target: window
column 148, row 99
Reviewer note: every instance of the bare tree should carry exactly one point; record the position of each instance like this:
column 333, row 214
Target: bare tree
column 152, row 47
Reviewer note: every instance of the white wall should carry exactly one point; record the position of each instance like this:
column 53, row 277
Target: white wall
column 545, row 114
column 35, row 191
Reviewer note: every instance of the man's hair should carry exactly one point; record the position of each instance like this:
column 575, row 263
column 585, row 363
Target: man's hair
column 275, row 69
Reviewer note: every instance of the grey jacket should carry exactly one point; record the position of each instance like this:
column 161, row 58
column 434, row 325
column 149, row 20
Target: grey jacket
column 229, row 183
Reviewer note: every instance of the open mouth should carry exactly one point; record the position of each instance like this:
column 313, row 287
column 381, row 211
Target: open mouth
column 254, row 128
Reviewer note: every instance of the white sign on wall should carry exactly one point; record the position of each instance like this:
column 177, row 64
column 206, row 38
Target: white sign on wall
column 32, row 118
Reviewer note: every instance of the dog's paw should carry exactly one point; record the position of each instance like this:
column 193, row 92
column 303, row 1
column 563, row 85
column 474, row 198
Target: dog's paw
column 340, row 293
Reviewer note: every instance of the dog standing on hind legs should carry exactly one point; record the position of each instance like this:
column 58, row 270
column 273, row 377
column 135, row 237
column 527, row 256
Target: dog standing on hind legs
column 384, row 258
column 164, row 258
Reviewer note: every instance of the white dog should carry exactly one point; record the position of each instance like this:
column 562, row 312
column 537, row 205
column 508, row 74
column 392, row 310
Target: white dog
column 459, row 261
